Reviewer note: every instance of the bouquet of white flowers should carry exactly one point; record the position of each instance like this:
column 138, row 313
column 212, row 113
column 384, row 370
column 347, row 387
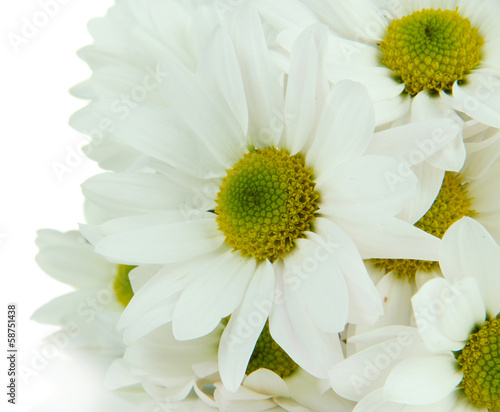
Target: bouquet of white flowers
column 301, row 206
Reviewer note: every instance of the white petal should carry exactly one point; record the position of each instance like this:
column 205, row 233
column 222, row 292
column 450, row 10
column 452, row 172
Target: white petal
column 430, row 180
column 291, row 327
column 212, row 296
column 364, row 301
column 285, row 13
column 118, row 376
column 427, row 106
column 404, row 334
column 157, row 132
column 447, row 313
column 139, row 193
column 305, row 80
column 390, row 238
column 159, row 238
column 263, row 91
column 469, row 250
column 77, row 265
column 155, row 317
column 63, row 309
column 423, row 380
column 191, row 97
column 415, row 142
column 345, row 128
column 319, row 286
column 395, row 294
column 367, row 370
column 367, row 183
column 375, row 402
column 479, row 98
column 311, row 393
column 267, row 382
column 112, row 81
column 363, row 20
column 171, row 279
column 241, row 333
column 389, row 110
column 219, row 67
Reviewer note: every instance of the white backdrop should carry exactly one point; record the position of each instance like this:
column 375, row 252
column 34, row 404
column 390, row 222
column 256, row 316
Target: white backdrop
column 38, row 66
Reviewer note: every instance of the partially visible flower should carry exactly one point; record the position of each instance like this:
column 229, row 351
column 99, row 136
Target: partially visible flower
column 411, row 53
column 171, row 370
column 451, row 362
column 162, row 365
column 264, row 390
column 89, row 314
column 471, row 192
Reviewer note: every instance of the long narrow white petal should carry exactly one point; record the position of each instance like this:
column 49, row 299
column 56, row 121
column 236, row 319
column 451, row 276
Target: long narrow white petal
column 345, row 128
column 220, row 68
column 159, row 239
column 212, row 296
column 238, row 340
column 319, row 284
column 291, row 327
column 263, row 91
column 364, row 302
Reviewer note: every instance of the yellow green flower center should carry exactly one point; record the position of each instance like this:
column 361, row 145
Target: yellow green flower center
column 480, row 362
column 268, row 354
column 122, row 286
column 431, row 49
column 266, row 201
column 451, row 204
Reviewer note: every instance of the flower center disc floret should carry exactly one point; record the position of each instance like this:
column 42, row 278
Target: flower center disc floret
column 266, row 201
column 268, row 354
column 480, row 362
column 451, row 204
column 122, row 287
column 431, row 49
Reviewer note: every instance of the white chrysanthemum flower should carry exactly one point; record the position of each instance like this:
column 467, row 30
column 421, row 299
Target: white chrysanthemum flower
column 171, row 371
column 264, row 390
column 419, row 53
column 451, row 363
column 90, row 313
column 164, row 366
column 471, row 192
column 287, row 209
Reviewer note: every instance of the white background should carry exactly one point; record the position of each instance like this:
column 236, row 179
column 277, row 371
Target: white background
column 35, row 137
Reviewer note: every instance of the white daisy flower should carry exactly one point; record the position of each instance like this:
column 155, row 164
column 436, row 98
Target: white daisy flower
column 162, row 365
column 288, row 208
column 412, row 52
column 451, row 362
column 90, row 313
column 171, row 371
column 264, row 390
column 472, row 192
